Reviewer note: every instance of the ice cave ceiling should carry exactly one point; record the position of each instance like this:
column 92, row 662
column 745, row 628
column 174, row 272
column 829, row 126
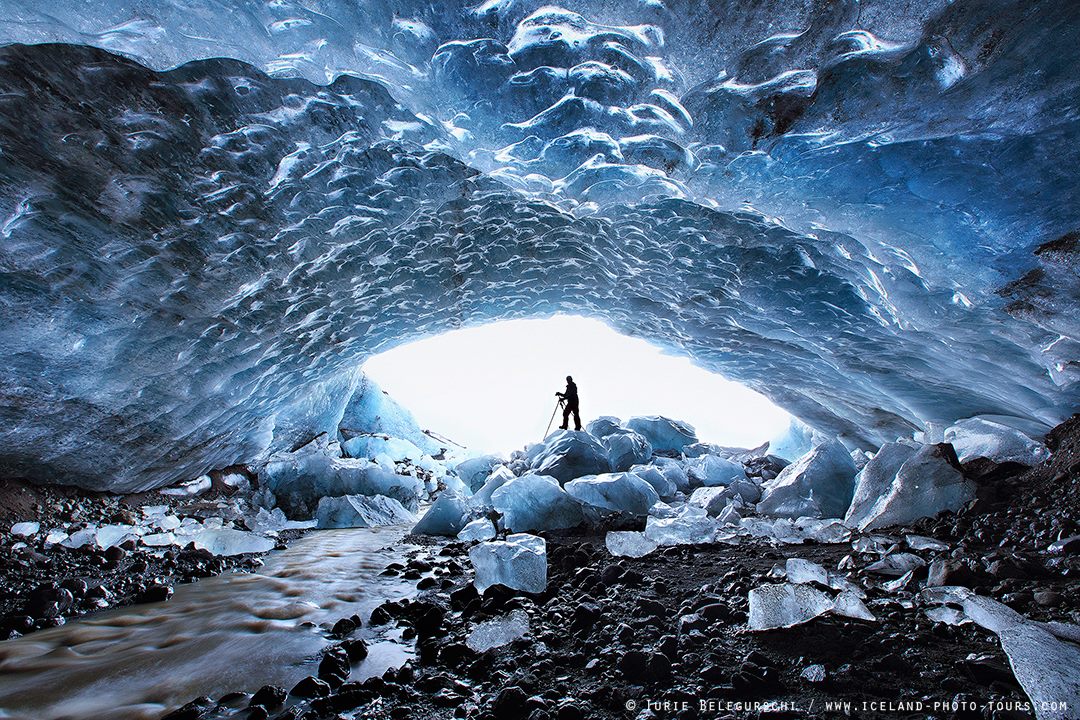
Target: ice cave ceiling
column 864, row 210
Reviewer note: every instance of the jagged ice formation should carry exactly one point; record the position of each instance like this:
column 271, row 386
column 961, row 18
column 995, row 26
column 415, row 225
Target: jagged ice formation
column 864, row 211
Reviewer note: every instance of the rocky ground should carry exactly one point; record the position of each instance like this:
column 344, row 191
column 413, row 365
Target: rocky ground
column 665, row 635
column 44, row 583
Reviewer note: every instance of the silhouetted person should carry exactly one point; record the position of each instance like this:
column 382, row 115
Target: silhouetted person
column 571, row 404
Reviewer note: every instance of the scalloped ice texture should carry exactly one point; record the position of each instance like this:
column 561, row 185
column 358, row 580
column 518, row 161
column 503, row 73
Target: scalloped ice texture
column 861, row 212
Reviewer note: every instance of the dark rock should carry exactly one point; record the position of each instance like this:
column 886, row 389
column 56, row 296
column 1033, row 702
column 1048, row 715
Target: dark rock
column 310, row 687
column 952, row 572
column 356, row 649
column 510, row 704
column 985, row 670
column 343, row 628
column 155, row 593
column 269, row 696
column 49, row 601
column 194, row 710
column 1047, row 598
column 1066, row 546
column 634, row 665
column 334, row 668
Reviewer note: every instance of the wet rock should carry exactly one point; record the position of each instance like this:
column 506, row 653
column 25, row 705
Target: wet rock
column 952, row 572
column 155, row 593
column 310, row 687
column 510, row 704
column 269, row 696
column 49, row 601
column 343, row 628
column 334, row 668
column 197, row 708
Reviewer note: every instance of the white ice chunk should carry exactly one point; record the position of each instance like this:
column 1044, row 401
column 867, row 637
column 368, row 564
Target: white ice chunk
column 976, row 437
column 1048, row 669
column 536, row 502
column 711, row 471
column 819, row 484
column 228, row 541
column 519, row 562
column 446, row 516
column 800, row 571
column 947, row 615
column 498, row 631
column 499, row 476
column 675, row 471
column 81, row 538
column 896, row 564
column 349, row 511
column 478, row 530
column 189, row 489
column 159, row 539
column 617, row 492
column 570, row 454
column 110, row 535
column 25, row 529
column 626, row 449
column 663, row 433
column 925, row 485
column 629, row 543
column 921, row 542
column 651, row 474
column 875, row 480
column 691, row 526
column 787, row 605
column 166, row 522
column 603, row 426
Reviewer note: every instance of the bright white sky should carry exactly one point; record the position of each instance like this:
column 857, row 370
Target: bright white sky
column 492, row 388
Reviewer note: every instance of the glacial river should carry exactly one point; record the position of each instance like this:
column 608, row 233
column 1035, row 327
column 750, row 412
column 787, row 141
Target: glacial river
column 230, row 632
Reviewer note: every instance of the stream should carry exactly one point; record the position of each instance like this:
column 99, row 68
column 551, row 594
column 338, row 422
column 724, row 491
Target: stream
column 236, row 631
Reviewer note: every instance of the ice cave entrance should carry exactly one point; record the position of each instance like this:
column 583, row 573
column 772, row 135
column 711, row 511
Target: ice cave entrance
column 492, row 387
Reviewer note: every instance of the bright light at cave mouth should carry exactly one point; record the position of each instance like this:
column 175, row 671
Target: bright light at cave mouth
column 492, row 388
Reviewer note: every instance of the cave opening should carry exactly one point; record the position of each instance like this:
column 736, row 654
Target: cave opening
column 491, row 387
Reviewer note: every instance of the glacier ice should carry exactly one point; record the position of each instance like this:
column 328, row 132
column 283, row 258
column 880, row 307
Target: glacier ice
column 785, row 605
column 519, row 562
column 663, row 433
column 851, row 209
column 925, row 485
column 819, row 484
column 976, row 437
column 499, row 477
column 569, row 454
column 476, row 470
column 351, row 511
column 536, row 502
column 712, row 470
column 691, row 525
column 603, row 426
column 626, row 449
column 447, row 516
column 300, row 479
column 229, row 541
column 628, row 543
column 660, row 482
column 498, row 631
column 620, row 492
column 875, row 479
column 25, row 529
column 477, row 530
column 1047, row 668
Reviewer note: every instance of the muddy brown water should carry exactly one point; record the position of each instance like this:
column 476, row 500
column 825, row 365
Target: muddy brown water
column 230, row 632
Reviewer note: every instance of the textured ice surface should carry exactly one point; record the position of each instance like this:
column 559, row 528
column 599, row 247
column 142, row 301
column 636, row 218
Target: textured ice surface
column 896, row 564
column 228, row 541
column 630, row 543
column 603, row 426
column 499, row 477
column 569, row 454
column 819, row 484
column 349, row 511
column 651, row 474
column 621, row 492
column 535, row 502
column 863, row 211
column 788, row 604
column 446, row 516
column 875, row 479
column 371, row 410
column 690, row 526
column 519, row 562
column 711, row 470
column 976, row 437
column 475, row 471
column 1046, row 667
column 663, row 433
column 925, row 485
column 477, row 530
column 25, row 529
column 299, row 480
column 626, row 449
column 498, row 631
